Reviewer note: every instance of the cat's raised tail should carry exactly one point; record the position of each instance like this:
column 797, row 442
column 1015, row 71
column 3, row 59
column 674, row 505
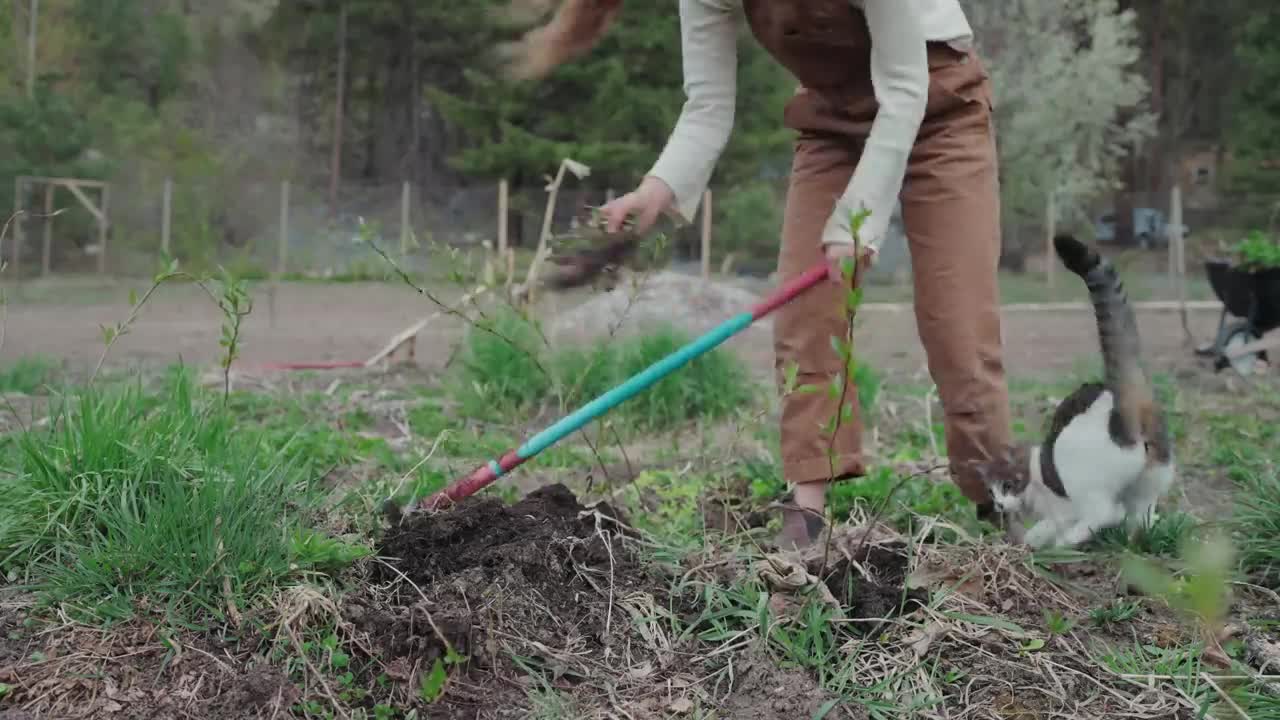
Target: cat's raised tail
column 1135, row 417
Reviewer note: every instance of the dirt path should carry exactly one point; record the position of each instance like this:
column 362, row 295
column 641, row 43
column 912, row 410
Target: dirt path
column 351, row 321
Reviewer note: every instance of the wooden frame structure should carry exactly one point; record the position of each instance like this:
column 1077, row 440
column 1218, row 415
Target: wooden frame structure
column 77, row 187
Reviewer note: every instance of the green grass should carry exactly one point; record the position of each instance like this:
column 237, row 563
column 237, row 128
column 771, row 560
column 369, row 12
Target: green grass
column 27, row 376
column 1244, row 447
column 1257, row 522
column 508, row 371
column 162, row 500
column 500, row 369
column 133, row 501
column 1163, row 538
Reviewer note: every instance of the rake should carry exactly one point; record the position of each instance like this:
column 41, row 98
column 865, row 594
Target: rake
column 489, row 472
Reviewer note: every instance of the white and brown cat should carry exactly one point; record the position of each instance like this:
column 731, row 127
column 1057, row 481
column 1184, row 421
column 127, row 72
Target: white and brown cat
column 1108, row 455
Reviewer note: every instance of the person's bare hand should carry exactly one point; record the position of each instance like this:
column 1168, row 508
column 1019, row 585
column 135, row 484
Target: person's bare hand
column 836, row 254
column 646, row 203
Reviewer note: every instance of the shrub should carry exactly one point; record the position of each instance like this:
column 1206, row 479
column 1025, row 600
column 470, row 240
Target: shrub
column 750, row 216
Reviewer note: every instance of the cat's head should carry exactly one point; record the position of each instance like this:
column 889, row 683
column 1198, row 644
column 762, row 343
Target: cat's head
column 1006, row 475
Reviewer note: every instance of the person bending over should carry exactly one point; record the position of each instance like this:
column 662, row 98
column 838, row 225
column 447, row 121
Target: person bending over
column 893, row 103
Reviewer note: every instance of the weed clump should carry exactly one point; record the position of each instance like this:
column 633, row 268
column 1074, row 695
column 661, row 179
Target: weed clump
column 129, row 499
column 1257, row 524
column 27, row 375
column 499, row 368
column 508, row 369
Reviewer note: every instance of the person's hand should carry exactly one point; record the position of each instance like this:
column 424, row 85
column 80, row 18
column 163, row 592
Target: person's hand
column 646, row 202
column 836, row 254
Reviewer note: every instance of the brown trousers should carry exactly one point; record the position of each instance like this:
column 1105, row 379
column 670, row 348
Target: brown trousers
column 950, row 209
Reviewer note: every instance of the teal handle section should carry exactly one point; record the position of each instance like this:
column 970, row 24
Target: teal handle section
column 633, row 386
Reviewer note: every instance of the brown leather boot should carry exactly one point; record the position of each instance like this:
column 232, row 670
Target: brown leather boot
column 800, row 528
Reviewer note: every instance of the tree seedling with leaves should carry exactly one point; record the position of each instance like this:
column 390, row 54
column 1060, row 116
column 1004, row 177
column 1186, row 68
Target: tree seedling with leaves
column 232, row 300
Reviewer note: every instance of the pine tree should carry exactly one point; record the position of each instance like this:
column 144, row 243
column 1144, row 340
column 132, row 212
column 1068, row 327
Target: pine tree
column 1255, row 130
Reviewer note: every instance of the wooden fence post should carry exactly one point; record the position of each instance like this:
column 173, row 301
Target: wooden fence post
column 282, row 257
column 46, row 249
column 1179, row 241
column 405, row 230
column 166, row 217
column 16, row 253
column 1051, row 226
column 1171, row 237
column 103, row 222
column 503, row 210
column 706, row 235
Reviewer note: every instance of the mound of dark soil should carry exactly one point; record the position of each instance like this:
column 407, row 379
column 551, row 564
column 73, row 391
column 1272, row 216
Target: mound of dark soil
column 430, row 548
column 538, row 580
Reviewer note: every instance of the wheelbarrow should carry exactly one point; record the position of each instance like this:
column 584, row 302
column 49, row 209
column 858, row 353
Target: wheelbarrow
column 1253, row 298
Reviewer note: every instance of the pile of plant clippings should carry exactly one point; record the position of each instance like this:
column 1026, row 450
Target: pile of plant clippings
column 139, row 671
column 661, row 299
column 997, row 634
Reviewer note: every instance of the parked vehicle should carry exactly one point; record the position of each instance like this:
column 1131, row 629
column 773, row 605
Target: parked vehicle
column 1150, row 228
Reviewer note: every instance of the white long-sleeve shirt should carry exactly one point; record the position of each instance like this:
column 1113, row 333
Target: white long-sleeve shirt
column 899, row 30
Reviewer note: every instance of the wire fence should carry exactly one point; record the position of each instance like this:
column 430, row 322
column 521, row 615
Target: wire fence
column 289, row 229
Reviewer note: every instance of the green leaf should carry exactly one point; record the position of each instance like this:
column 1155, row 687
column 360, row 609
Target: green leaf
column 1146, row 576
column 790, row 374
column 1032, row 645
column 432, row 688
column 827, row 707
column 836, row 386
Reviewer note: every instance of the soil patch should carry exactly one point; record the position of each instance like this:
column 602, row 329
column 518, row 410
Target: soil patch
column 872, row 586
column 128, row 674
column 763, row 691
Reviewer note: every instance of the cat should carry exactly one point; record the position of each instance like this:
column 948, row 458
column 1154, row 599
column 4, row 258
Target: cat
column 1107, row 457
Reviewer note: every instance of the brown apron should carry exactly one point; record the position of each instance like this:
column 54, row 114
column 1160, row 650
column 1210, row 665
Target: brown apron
column 951, row 212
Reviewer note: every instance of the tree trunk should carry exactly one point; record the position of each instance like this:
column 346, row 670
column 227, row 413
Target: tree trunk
column 335, row 167
column 415, row 94
column 1124, row 204
column 1156, row 160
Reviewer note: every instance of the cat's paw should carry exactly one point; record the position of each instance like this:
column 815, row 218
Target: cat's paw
column 1141, row 520
column 1040, row 536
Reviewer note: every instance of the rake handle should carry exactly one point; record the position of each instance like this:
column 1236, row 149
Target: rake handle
column 494, row 469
